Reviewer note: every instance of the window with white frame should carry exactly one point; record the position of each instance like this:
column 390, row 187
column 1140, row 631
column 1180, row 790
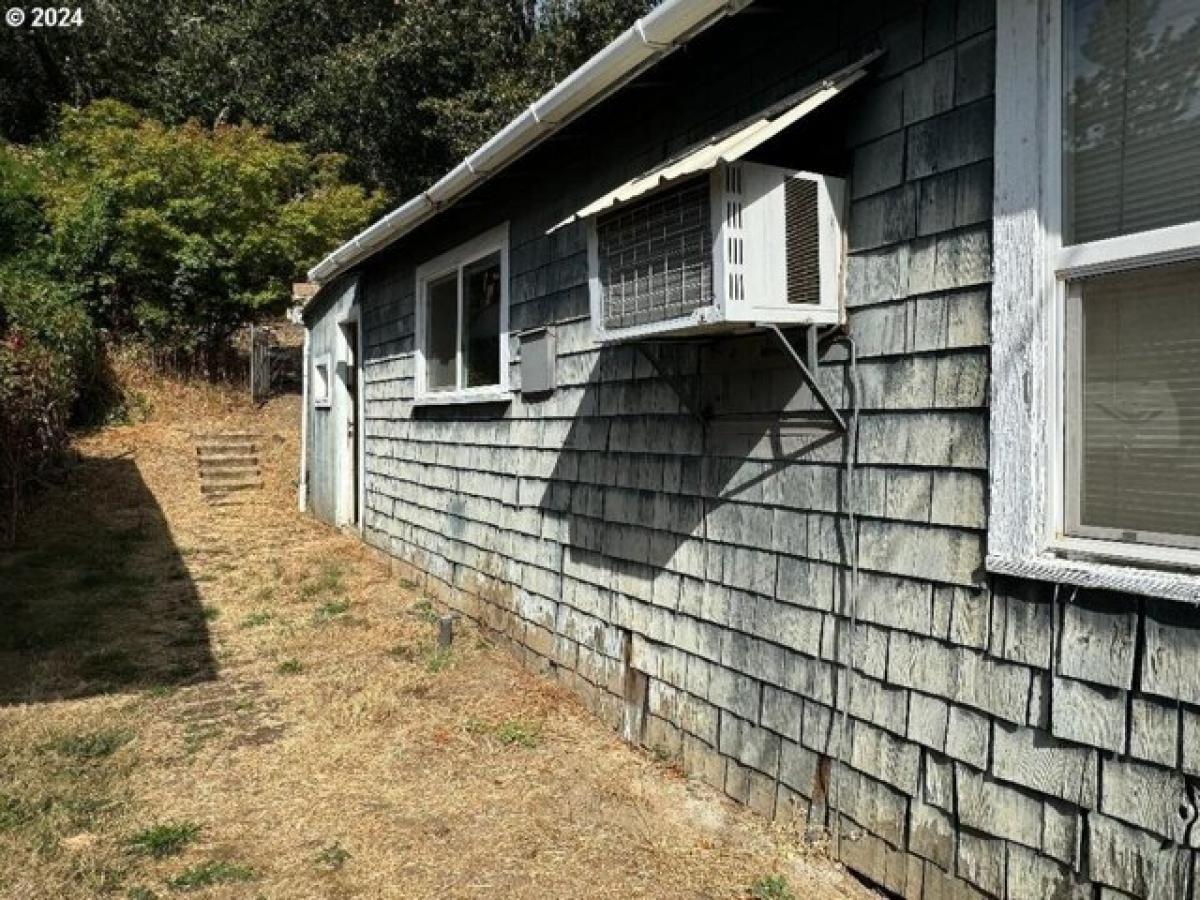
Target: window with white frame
column 462, row 322
column 1096, row 318
column 1130, row 177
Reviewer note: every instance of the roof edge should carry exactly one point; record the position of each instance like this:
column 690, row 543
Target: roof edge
column 648, row 40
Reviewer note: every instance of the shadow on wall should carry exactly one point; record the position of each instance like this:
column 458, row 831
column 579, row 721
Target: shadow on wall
column 643, row 482
column 96, row 598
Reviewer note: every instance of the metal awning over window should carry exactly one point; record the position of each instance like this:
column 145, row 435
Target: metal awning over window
column 732, row 144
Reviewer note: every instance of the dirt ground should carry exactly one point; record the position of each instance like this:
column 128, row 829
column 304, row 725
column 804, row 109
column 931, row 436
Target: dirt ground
column 241, row 702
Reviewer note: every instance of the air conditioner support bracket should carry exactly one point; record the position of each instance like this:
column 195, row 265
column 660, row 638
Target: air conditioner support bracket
column 808, row 368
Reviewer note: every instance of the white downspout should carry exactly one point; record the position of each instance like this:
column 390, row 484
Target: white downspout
column 302, row 499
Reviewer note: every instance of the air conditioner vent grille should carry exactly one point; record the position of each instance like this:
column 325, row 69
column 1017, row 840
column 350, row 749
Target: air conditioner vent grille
column 803, row 242
column 655, row 257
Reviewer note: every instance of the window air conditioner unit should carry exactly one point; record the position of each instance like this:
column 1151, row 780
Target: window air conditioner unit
column 737, row 245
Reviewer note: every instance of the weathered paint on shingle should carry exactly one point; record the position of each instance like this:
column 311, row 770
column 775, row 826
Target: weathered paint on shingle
column 1088, row 714
column 1097, row 644
column 1149, row 796
column 1134, row 861
column 1036, row 760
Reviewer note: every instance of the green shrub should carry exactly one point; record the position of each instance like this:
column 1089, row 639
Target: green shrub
column 179, row 234
column 37, row 389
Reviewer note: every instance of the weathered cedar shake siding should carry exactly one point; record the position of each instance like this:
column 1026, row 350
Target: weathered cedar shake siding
column 992, row 751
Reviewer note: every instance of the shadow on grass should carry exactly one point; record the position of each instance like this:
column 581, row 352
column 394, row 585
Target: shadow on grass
column 96, row 598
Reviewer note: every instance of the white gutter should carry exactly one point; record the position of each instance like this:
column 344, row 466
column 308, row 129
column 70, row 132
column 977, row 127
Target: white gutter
column 649, row 39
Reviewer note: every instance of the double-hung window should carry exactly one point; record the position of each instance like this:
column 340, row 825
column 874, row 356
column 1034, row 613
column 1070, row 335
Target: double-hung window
column 462, row 322
column 1096, row 317
column 1130, row 232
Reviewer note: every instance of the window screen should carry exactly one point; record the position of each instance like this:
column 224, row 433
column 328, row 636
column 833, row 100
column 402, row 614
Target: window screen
column 320, row 385
column 655, row 256
column 1137, row 424
column 1132, row 116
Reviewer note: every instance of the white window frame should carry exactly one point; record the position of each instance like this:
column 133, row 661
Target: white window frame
column 1030, row 292
column 323, row 399
column 454, row 261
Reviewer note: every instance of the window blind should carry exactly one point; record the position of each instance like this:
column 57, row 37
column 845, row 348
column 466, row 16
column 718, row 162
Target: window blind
column 1140, row 456
column 1132, row 116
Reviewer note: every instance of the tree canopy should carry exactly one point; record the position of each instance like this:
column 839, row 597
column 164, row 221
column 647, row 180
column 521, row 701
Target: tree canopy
column 402, row 88
column 181, row 233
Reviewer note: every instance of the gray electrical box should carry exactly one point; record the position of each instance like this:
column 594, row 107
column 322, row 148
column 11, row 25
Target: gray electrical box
column 537, row 361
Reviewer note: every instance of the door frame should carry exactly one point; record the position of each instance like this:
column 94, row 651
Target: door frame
column 350, row 480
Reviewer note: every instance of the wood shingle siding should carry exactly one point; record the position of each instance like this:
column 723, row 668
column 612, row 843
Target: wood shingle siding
column 1004, row 739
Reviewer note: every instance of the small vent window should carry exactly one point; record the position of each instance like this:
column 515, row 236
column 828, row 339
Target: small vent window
column 320, row 382
column 655, row 257
column 803, row 242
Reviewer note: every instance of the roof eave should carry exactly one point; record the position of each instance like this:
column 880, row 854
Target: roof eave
column 647, row 41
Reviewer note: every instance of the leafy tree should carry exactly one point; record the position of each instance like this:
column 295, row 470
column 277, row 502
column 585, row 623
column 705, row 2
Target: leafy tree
column 403, row 89
column 180, row 234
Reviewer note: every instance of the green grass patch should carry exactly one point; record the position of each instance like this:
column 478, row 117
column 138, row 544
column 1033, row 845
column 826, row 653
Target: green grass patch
column 165, row 839
column 334, row 609
column 437, row 660
column 514, row 732
column 771, row 887
column 521, row 734
column 423, row 610
column 290, row 667
column 14, row 813
column 211, row 873
column 332, row 858
column 255, row 619
column 329, row 579
column 91, row 745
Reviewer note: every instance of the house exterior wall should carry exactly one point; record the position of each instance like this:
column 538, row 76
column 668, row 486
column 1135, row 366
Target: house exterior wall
column 326, row 432
column 1004, row 738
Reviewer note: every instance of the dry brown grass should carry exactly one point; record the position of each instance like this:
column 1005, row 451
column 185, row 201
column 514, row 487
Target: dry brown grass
column 263, row 678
